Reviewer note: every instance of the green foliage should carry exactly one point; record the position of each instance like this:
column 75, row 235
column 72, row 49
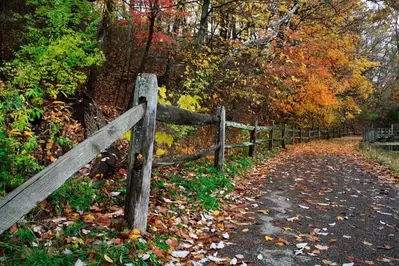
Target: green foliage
column 74, row 228
column 393, row 115
column 78, row 194
column 60, row 44
column 372, row 116
column 389, row 159
column 16, row 162
column 209, row 184
column 160, row 242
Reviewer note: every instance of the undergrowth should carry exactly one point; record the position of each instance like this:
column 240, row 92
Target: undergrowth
column 390, row 159
column 41, row 241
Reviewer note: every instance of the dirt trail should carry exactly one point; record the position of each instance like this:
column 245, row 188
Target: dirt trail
column 323, row 194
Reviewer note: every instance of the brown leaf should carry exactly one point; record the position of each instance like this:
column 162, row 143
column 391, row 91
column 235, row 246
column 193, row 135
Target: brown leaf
column 386, row 247
column 172, row 242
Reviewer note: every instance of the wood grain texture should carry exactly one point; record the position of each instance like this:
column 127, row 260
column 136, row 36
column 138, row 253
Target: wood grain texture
column 177, row 116
column 140, row 154
column 24, row 198
column 262, row 140
column 293, row 135
column 300, row 135
column 238, row 145
column 252, row 148
column 220, row 138
column 271, row 138
column 283, row 136
column 246, row 127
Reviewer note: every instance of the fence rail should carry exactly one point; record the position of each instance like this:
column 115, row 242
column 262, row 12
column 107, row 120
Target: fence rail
column 380, row 134
column 141, row 120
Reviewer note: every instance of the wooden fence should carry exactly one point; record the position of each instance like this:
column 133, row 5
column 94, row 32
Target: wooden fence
column 380, row 134
column 141, row 118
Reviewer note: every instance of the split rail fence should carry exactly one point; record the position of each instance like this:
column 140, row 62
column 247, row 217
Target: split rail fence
column 380, row 134
column 141, row 119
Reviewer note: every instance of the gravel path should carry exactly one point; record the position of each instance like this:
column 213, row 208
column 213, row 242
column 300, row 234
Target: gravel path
column 327, row 198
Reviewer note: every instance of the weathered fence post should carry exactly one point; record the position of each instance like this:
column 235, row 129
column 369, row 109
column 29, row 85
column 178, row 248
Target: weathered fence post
column 293, row 135
column 309, row 135
column 300, row 135
column 283, row 136
column 140, row 154
column 220, row 138
column 271, row 137
column 252, row 149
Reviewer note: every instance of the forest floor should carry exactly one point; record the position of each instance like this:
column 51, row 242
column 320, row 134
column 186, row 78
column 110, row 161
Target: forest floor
column 316, row 203
column 323, row 204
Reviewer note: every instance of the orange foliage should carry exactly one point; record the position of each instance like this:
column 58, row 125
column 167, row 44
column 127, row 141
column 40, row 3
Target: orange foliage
column 318, row 76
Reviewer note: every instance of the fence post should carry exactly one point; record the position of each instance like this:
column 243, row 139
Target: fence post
column 271, row 137
column 140, row 154
column 293, row 135
column 300, row 135
column 283, row 136
column 220, row 138
column 252, row 149
column 309, row 135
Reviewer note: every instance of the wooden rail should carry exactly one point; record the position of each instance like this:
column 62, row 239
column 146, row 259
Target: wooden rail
column 380, row 134
column 24, row 198
column 142, row 120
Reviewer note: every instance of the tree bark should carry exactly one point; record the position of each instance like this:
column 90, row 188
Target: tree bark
column 203, row 24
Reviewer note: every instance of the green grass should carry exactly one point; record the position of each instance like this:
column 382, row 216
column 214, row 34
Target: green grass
column 390, row 159
column 78, row 193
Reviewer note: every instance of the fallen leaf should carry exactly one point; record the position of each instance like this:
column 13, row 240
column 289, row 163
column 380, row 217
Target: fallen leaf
column 215, row 259
column 386, row 247
column 266, row 212
column 268, row 238
column 301, row 245
column 321, row 247
column 108, row 259
column 180, row 253
column 245, row 230
column 79, row 263
column 367, row 243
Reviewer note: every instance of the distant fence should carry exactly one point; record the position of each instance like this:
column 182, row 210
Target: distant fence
column 141, row 119
column 380, row 134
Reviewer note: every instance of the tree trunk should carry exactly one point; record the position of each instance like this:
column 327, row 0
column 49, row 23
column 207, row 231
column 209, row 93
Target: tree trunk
column 102, row 38
column 151, row 28
column 203, row 24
